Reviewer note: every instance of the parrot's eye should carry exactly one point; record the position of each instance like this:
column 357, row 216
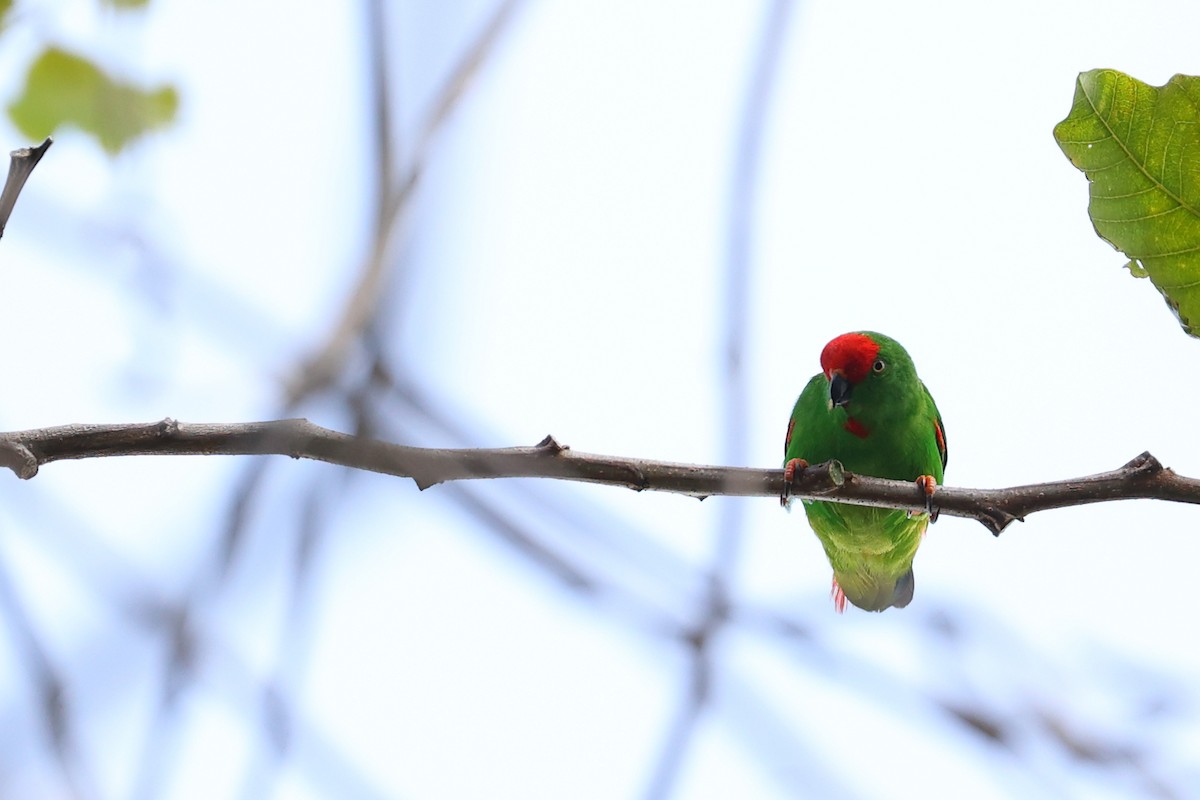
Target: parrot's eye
column 878, row 366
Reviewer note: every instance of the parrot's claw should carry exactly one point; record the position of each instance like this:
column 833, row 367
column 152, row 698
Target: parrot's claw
column 839, row 597
column 790, row 470
column 928, row 484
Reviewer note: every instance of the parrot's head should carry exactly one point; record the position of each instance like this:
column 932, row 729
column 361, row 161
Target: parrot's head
column 866, row 371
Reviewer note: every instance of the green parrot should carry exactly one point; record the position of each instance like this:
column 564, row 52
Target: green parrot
column 868, row 409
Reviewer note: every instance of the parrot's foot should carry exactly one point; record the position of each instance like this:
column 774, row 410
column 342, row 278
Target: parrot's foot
column 790, row 470
column 839, row 597
column 928, row 484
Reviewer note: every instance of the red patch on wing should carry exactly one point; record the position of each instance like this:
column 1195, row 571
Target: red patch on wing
column 937, row 431
column 856, row 427
column 852, row 354
column 787, row 441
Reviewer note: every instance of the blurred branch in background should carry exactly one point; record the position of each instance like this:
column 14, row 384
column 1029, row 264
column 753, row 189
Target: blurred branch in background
column 393, row 195
column 48, row 688
column 323, row 374
column 393, row 192
column 731, row 385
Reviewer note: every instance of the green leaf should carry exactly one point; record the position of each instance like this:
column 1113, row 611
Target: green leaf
column 64, row 89
column 1139, row 146
column 123, row 5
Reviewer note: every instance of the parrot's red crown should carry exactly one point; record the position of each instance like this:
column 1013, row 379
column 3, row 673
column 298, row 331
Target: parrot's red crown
column 852, row 354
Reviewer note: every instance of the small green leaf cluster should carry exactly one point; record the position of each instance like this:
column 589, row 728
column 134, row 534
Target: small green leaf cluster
column 65, row 89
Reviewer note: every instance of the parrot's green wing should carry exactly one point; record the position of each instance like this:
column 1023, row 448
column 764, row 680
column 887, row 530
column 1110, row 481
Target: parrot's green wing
column 939, row 427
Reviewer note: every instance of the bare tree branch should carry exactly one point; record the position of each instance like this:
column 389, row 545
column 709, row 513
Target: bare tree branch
column 24, row 452
column 20, row 167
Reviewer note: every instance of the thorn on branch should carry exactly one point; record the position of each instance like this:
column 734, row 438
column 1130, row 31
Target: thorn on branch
column 1145, row 464
column 551, row 445
column 996, row 519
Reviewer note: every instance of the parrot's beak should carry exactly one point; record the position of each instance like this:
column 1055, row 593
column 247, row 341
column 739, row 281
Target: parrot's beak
column 839, row 390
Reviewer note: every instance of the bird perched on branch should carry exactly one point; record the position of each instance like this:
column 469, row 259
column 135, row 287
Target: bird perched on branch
column 868, row 409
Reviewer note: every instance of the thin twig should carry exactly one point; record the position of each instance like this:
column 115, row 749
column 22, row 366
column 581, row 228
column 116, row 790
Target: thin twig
column 25, row 452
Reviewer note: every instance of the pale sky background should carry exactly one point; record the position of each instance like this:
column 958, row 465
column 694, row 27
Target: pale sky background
column 561, row 271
